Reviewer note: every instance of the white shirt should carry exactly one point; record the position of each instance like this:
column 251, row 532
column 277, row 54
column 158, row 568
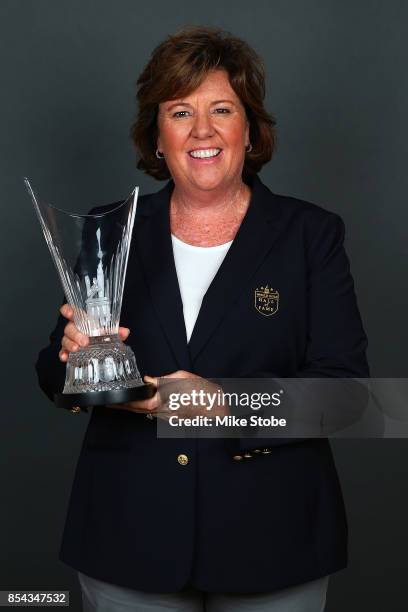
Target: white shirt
column 196, row 267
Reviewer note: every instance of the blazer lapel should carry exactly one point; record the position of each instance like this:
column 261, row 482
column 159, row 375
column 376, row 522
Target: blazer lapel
column 259, row 230
column 153, row 243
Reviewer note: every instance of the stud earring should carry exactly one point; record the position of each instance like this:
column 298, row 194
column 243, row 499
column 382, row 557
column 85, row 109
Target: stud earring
column 248, row 148
column 158, row 155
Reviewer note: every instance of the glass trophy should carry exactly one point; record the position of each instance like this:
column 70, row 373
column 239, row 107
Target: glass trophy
column 91, row 253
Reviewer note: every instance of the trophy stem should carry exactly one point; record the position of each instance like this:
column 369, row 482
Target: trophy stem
column 104, row 339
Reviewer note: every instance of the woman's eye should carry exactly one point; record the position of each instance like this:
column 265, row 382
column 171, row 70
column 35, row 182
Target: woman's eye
column 180, row 114
column 222, row 111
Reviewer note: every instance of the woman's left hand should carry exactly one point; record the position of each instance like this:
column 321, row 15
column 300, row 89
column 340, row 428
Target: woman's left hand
column 183, row 383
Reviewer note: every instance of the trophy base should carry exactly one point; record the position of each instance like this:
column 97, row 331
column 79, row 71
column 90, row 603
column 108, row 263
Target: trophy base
column 87, row 399
column 106, row 364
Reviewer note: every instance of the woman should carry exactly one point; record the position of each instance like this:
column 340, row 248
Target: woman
column 238, row 524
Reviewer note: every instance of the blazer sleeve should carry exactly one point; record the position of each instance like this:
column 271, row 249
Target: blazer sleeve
column 337, row 343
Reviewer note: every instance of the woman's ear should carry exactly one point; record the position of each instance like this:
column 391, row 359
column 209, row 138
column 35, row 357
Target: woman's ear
column 158, row 143
column 247, row 141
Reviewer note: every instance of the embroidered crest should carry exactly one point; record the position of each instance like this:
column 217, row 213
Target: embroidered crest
column 266, row 300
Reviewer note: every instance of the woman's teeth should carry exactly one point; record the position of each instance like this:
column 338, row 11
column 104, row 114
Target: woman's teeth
column 205, row 153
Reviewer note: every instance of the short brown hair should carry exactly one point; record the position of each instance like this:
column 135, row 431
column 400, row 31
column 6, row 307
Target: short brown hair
column 177, row 67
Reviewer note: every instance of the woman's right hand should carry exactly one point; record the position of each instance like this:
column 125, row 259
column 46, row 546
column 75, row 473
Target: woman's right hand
column 73, row 339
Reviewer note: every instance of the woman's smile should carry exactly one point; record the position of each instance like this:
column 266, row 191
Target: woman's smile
column 205, row 155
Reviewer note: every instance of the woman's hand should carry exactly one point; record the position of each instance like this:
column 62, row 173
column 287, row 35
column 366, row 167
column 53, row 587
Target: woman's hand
column 179, row 382
column 156, row 405
column 73, row 339
column 146, row 406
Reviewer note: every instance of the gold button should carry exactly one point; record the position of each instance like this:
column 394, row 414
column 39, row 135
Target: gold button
column 75, row 409
column 266, row 451
column 182, row 459
column 237, row 457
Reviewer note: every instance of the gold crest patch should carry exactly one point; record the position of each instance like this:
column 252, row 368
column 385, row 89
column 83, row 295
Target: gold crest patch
column 266, row 300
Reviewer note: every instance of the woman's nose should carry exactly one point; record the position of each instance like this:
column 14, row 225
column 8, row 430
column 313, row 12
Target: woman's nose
column 202, row 126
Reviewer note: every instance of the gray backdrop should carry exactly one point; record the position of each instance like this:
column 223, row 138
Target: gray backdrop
column 337, row 85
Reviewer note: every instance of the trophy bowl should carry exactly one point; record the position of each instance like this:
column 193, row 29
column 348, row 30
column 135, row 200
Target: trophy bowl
column 90, row 252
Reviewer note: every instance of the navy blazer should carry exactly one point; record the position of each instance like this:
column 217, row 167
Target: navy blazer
column 139, row 518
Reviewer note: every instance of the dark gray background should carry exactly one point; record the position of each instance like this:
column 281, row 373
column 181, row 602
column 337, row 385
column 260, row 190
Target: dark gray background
column 337, row 86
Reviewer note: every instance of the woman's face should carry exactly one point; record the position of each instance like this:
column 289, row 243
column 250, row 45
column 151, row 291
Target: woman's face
column 203, row 135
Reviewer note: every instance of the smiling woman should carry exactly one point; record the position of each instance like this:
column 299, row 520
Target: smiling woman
column 177, row 68
column 203, row 137
column 161, row 524
column 203, row 123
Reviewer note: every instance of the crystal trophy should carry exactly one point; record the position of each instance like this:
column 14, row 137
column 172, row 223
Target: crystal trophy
column 91, row 253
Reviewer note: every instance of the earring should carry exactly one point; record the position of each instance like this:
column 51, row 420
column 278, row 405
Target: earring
column 248, row 148
column 158, row 155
